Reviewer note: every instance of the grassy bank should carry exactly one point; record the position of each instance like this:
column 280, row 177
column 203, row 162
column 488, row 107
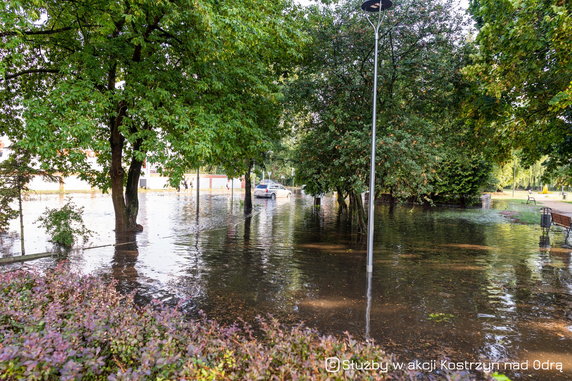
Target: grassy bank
column 63, row 326
column 520, row 212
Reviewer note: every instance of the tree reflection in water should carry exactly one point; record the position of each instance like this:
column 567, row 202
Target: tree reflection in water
column 502, row 297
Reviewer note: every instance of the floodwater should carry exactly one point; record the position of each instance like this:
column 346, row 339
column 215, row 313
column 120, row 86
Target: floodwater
column 463, row 284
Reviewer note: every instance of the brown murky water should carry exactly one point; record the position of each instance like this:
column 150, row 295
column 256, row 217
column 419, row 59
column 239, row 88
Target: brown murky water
column 461, row 284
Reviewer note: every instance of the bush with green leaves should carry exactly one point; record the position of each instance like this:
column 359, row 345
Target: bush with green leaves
column 65, row 225
column 460, row 180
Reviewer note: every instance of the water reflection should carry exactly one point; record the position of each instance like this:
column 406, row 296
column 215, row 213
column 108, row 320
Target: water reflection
column 369, row 277
column 544, row 240
column 124, row 262
column 447, row 282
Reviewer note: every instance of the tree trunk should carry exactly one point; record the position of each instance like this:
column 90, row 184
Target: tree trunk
column 247, row 228
column 341, row 200
column 125, row 212
column 357, row 211
column 392, row 199
column 116, row 173
column 123, row 265
column 124, row 216
column 131, row 191
column 248, row 190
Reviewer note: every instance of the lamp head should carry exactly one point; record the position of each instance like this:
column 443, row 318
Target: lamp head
column 376, row 5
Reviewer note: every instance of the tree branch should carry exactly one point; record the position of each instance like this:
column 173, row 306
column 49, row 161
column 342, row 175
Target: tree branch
column 43, row 32
column 29, row 71
column 170, row 35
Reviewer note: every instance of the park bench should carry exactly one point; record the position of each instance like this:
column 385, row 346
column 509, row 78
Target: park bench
column 530, row 198
column 564, row 221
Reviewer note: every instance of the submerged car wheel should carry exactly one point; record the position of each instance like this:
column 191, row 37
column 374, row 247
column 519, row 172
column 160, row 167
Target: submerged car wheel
column 273, row 196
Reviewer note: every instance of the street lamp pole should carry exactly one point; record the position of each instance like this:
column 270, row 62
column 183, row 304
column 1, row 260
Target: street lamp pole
column 373, row 6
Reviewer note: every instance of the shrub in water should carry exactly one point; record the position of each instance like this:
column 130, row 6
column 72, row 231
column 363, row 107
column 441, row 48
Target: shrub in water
column 65, row 225
column 63, row 326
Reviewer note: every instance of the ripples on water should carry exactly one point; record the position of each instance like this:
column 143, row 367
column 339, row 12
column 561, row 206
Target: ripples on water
column 502, row 296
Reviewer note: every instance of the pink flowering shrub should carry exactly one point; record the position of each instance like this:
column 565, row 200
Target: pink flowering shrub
column 63, row 326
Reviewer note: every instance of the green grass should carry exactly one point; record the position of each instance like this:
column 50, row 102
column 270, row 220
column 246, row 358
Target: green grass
column 529, row 217
column 517, row 201
column 512, row 200
column 520, row 212
column 477, row 216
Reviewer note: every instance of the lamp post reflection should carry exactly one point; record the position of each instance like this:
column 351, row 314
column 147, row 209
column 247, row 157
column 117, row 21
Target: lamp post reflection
column 368, row 305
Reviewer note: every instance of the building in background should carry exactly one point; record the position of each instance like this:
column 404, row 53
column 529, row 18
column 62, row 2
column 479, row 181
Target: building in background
column 4, row 144
column 150, row 178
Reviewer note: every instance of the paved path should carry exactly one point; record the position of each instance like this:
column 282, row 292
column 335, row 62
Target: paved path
column 559, row 206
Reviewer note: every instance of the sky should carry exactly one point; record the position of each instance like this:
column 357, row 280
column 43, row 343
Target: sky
column 464, row 4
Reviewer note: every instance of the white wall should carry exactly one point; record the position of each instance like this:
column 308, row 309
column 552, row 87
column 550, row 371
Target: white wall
column 206, row 182
column 70, row 184
column 73, row 183
column 39, row 184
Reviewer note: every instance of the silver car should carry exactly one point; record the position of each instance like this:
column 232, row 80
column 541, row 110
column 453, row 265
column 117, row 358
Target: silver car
column 271, row 190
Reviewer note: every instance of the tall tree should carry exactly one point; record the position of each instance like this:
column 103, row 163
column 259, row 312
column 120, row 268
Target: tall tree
column 134, row 80
column 522, row 78
column 16, row 172
column 238, row 149
column 420, row 54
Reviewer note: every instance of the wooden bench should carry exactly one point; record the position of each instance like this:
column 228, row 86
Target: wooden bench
column 564, row 221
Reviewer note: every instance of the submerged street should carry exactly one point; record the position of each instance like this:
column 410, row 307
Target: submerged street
column 462, row 284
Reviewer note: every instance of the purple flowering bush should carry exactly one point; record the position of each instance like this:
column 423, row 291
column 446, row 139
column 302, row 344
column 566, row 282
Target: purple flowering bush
column 65, row 326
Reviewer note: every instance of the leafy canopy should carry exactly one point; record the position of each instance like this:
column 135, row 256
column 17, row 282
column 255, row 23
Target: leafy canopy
column 420, row 53
column 182, row 79
column 522, row 78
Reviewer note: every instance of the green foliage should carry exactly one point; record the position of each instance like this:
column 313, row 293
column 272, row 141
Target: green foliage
column 499, row 377
column 461, row 180
column 521, row 73
column 8, row 193
column 560, row 175
column 65, row 225
column 514, row 172
column 15, row 174
column 176, row 83
column 421, row 51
